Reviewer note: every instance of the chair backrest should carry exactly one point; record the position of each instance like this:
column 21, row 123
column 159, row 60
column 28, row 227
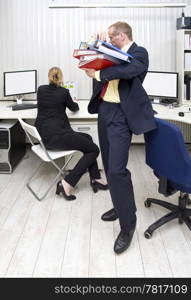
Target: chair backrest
column 30, row 131
column 166, row 153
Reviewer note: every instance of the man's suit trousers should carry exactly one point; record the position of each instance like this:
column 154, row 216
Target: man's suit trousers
column 115, row 139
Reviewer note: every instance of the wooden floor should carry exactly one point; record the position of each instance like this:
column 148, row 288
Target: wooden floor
column 58, row 238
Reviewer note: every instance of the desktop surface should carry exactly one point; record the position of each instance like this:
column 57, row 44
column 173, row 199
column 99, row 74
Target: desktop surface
column 173, row 113
column 163, row 112
column 6, row 111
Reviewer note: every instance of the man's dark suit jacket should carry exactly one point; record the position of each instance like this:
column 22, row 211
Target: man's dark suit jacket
column 133, row 98
column 52, row 121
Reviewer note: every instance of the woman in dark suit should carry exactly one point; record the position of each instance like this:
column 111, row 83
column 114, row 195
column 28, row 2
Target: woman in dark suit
column 57, row 134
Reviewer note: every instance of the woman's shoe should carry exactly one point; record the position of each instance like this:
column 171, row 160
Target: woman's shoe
column 60, row 189
column 98, row 186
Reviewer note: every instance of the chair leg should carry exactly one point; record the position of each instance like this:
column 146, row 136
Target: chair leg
column 168, row 217
column 186, row 212
column 60, row 172
column 165, row 204
column 187, row 221
column 30, row 179
column 47, row 190
column 179, row 211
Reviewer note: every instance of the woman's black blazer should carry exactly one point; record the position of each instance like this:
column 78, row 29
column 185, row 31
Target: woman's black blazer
column 52, row 121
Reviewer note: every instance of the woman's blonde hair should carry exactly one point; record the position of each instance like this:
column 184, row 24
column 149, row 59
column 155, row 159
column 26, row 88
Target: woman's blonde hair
column 55, row 76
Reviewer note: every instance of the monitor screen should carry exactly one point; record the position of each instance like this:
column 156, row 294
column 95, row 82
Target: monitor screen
column 20, row 82
column 161, row 84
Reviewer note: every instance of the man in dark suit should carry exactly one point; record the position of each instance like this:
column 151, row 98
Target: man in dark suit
column 123, row 109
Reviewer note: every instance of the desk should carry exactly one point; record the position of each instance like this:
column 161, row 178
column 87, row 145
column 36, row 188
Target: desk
column 82, row 118
column 81, row 121
column 171, row 114
column 164, row 112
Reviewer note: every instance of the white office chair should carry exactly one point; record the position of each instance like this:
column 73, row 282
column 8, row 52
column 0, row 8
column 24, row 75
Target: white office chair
column 45, row 155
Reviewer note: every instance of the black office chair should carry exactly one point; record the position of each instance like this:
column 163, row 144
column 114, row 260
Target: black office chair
column 167, row 155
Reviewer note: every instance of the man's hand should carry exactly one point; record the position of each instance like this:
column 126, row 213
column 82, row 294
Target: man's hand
column 90, row 72
column 102, row 36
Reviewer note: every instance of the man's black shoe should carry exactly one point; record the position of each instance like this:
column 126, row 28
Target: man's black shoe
column 123, row 241
column 110, row 215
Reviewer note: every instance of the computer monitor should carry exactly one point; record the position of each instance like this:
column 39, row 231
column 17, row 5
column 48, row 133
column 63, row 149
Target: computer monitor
column 162, row 86
column 19, row 83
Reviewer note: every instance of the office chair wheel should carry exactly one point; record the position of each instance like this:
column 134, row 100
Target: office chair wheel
column 148, row 234
column 147, row 203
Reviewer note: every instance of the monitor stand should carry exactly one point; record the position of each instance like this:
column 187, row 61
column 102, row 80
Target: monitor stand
column 19, row 99
column 155, row 100
column 168, row 101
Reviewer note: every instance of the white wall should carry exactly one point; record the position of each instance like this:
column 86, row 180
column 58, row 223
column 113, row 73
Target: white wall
column 33, row 36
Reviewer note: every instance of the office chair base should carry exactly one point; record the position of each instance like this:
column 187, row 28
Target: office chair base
column 180, row 212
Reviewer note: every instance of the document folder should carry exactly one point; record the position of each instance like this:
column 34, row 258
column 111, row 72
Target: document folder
column 97, row 64
column 97, row 61
column 99, row 55
column 81, row 52
column 110, row 50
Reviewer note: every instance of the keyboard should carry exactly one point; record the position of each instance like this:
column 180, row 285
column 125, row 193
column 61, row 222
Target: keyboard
column 23, row 106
